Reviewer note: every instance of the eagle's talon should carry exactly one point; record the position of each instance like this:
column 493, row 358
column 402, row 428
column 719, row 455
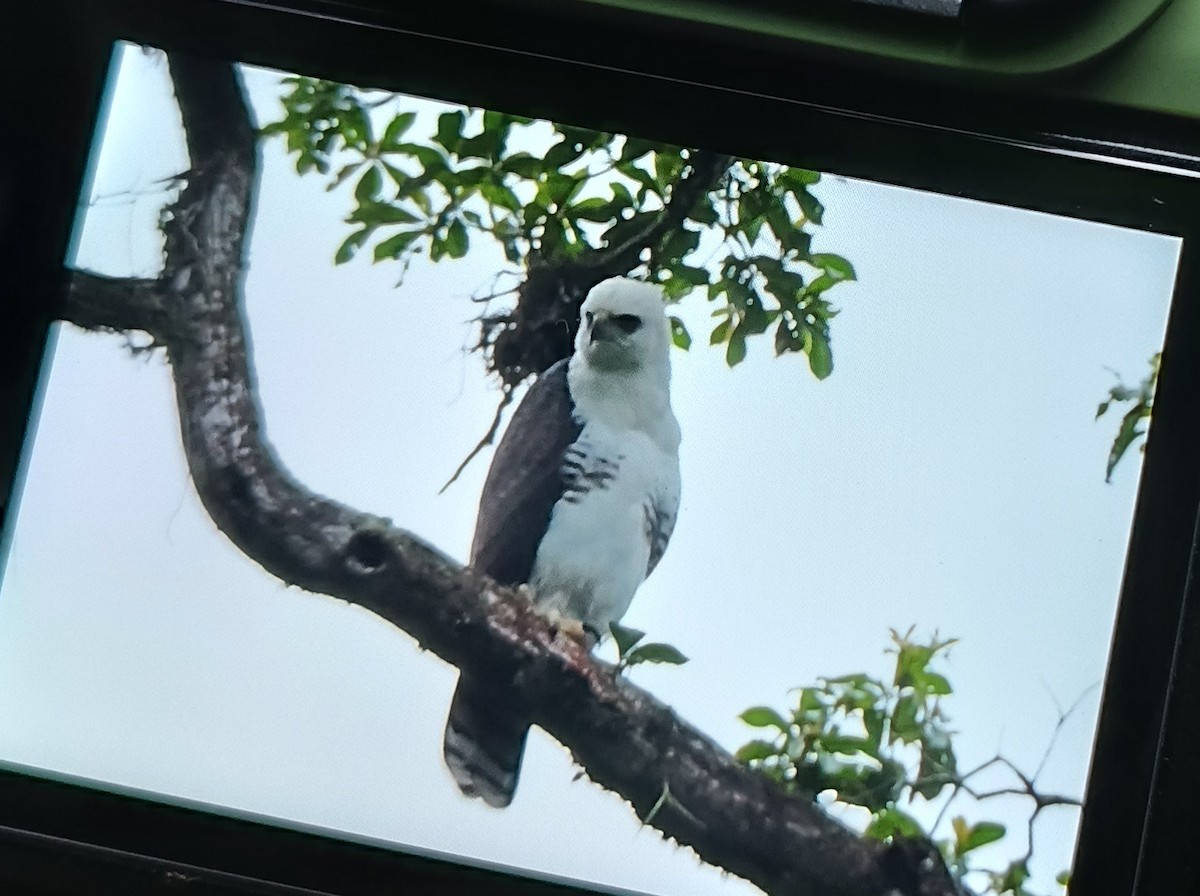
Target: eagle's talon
column 563, row 624
column 573, row 629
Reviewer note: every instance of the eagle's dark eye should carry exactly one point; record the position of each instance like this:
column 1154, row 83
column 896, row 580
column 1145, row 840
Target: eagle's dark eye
column 589, row 317
column 628, row 322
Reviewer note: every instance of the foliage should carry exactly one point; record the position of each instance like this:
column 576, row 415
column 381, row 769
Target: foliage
column 885, row 746
column 554, row 194
column 1131, row 428
column 631, row 652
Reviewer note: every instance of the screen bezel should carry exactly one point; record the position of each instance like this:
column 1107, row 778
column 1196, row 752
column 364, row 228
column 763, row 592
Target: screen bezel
column 1153, row 668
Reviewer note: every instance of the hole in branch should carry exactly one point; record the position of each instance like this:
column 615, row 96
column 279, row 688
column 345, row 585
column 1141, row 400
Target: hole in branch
column 366, row 552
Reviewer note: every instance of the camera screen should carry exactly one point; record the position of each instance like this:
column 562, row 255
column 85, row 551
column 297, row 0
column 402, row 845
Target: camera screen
column 911, row 430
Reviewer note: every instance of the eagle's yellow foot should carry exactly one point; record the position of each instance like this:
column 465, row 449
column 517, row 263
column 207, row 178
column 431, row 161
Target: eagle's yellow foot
column 572, row 628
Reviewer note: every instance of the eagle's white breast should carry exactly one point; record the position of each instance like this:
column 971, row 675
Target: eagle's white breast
column 596, row 551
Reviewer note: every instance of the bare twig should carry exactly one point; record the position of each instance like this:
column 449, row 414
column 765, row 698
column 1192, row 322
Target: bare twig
column 506, row 395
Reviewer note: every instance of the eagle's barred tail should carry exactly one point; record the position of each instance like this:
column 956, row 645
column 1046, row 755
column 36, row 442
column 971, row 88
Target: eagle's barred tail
column 484, row 742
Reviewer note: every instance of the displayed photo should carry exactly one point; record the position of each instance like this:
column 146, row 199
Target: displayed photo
column 647, row 517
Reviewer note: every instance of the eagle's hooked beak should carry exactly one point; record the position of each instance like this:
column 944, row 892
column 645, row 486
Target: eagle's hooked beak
column 602, row 328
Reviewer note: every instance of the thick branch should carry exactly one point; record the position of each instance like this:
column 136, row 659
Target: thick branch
column 703, row 171
column 625, row 739
column 97, row 302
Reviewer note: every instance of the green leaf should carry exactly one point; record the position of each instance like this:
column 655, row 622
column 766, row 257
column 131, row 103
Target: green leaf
column 351, row 245
column 593, row 209
column 635, row 148
column 756, row 750
column 764, row 717
column 891, row 821
column 500, row 196
column 833, row 265
column 933, row 683
column 667, row 165
column 430, row 157
column 755, row 319
column 493, row 121
column 720, row 332
column 621, row 195
column 655, row 653
column 377, row 213
column 679, row 334
column 735, row 352
column 788, row 339
column 397, row 127
column 624, row 637
column 801, row 176
column 904, row 721
column 485, row 145
column 523, row 165
column 456, row 239
column 846, row 745
column 369, row 185
column 449, row 129
column 980, row 835
column 644, row 179
column 820, row 285
column 561, row 153
column 820, row 357
column 812, row 208
column 395, row 245
column 693, row 275
column 809, row 702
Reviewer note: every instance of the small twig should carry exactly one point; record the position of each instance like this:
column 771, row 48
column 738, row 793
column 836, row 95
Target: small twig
column 658, row 804
column 1062, row 719
column 958, row 786
column 488, row 437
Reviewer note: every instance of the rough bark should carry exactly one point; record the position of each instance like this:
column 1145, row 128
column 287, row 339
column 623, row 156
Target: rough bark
column 624, row 738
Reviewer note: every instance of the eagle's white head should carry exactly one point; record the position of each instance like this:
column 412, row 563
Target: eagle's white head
column 620, row 373
column 623, row 327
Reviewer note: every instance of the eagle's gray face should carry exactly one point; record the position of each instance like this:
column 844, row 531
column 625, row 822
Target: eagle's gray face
column 622, row 326
column 612, row 339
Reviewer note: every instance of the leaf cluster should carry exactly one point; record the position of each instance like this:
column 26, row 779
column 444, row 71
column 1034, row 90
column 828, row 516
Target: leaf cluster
column 844, row 735
column 882, row 745
column 744, row 240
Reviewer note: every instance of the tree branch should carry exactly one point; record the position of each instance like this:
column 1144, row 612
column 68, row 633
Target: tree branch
column 97, row 302
column 703, row 171
column 624, row 738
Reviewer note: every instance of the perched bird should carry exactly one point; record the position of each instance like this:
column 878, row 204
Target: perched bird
column 578, row 505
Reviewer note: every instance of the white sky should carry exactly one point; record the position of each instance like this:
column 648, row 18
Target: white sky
column 949, row 475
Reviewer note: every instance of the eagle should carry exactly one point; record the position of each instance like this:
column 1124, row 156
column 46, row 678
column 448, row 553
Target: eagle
column 577, row 507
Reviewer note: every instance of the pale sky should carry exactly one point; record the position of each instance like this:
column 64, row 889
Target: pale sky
column 949, row 474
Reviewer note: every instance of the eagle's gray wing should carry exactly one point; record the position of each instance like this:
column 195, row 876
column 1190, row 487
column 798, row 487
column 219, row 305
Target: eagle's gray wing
column 485, row 731
column 525, row 480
